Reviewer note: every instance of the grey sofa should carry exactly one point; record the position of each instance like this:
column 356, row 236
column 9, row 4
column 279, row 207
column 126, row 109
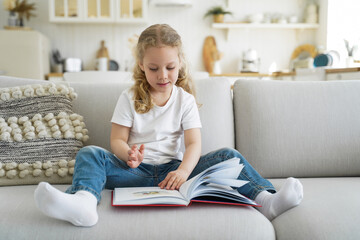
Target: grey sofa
column 308, row 130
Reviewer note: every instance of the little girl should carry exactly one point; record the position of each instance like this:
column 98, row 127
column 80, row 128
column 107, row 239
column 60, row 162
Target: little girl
column 147, row 125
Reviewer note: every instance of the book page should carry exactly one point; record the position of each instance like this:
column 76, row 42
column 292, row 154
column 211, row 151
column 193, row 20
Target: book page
column 147, row 196
column 185, row 187
column 219, row 193
column 231, row 172
column 227, row 169
column 227, row 182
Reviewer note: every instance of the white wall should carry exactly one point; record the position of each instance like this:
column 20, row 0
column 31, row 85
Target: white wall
column 343, row 23
column 273, row 45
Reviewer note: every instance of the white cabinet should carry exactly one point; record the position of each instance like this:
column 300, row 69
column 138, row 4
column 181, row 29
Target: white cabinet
column 24, row 54
column 65, row 10
column 100, row 11
column 128, row 11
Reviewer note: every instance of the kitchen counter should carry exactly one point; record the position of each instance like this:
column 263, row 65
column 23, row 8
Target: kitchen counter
column 352, row 73
column 342, row 70
column 254, row 74
column 274, row 75
column 284, row 74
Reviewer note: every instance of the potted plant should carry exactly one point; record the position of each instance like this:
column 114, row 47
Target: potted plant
column 218, row 13
column 22, row 8
column 350, row 51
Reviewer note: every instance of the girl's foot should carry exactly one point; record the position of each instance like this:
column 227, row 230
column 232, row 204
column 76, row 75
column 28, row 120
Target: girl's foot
column 78, row 208
column 289, row 196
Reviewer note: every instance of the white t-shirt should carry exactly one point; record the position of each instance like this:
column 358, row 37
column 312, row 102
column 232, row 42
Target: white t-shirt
column 160, row 129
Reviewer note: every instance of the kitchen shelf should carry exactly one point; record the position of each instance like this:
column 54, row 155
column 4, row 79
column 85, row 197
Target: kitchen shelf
column 284, row 74
column 349, row 73
column 234, row 25
column 265, row 25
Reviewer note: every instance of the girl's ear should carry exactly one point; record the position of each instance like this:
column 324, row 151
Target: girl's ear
column 141, row 65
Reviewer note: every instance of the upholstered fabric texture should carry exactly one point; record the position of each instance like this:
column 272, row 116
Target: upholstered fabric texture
column 39, row 134
column 201, row 221
column 299, row 129
column 330, row 210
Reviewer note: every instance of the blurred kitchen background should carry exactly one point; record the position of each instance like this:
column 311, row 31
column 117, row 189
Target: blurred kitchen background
column 260, row 36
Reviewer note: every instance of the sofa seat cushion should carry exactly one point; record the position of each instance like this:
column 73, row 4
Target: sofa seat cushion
column 330, row 210
column 21, row 220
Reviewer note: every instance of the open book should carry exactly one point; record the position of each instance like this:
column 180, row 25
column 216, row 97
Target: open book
column 213, row 185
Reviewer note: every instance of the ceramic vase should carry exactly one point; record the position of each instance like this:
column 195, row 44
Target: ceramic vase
column 12, row 19
column 349, row 61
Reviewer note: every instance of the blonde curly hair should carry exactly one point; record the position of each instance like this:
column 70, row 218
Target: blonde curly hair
column 155, row 36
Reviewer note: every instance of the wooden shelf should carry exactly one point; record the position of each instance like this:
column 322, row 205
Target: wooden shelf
column 247, row 26
column 342, row 70
column 17, row 28
column 230, row 25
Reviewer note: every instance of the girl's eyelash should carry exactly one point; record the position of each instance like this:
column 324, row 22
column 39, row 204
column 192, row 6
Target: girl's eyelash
column 155, row 69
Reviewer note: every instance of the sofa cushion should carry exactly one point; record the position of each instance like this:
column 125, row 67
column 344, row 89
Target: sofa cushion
column 330, row 210
column 299, row 129
column 6, row 81
column 216, row 113
column 96, row 102
column 20, row 219
column 39, row 134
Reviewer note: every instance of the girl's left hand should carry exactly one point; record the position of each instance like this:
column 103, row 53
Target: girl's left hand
column 174, row 179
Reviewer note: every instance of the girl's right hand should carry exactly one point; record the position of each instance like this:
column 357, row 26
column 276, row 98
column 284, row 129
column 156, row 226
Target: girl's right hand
column 135, row 156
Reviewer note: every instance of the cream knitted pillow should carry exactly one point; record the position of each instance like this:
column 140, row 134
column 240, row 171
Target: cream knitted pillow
column 39, row 134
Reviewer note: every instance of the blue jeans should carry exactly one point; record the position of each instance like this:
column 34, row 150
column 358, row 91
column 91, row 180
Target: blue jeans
column 97, row 168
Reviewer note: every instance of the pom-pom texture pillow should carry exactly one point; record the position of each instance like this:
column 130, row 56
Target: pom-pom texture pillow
column 39, row 134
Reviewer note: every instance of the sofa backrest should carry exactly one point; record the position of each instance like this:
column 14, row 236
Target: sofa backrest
column 98, row 76
column 96, row 102
column 6, row 81
column 300, row 129
column 216, row 113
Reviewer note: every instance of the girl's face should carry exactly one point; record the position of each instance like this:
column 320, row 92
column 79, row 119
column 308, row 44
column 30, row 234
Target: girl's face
column 161, row 66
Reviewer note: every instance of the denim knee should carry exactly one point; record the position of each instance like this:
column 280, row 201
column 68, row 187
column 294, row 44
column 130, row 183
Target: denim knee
column 88, row 152
column 229, row 153
column 87, row 149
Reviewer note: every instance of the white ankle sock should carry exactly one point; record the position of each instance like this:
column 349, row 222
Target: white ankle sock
column 289, row 196
column 78, row 208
